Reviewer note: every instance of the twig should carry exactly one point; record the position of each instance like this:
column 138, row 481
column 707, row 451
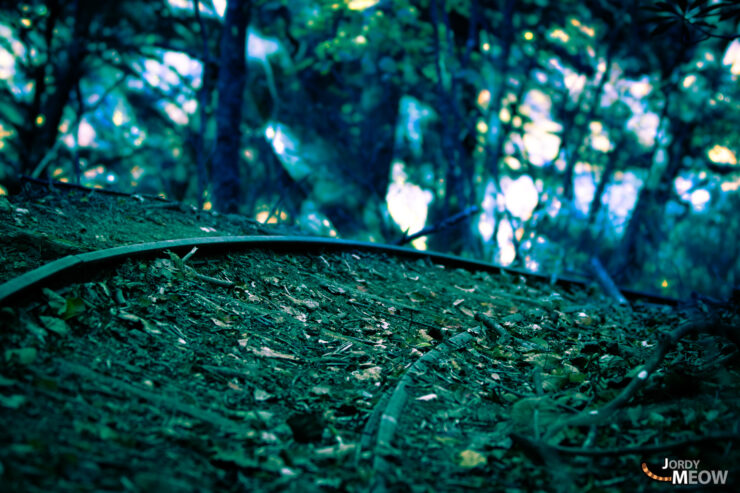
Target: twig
column 606, row 282
column 186, row 268
column 728, row 37
column 394, row 407
column 160, row 400
column 549, row 455
column 189, row 254
column 597, row 416
column 82, row 188
column 493, row 325
column 638, row 449
column 55, row 148
column 440, row 226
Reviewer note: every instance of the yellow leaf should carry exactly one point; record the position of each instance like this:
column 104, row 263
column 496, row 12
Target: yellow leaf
column 471, row 458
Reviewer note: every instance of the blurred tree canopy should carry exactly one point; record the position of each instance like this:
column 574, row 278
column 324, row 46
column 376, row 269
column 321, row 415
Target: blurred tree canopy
column 604, row 129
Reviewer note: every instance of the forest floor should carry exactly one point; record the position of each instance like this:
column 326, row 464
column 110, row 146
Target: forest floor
column 339, row 371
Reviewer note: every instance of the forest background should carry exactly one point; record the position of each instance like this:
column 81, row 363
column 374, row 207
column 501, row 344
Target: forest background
column 563, row 131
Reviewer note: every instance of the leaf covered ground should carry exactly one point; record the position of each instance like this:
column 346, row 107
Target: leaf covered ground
column 337, row 371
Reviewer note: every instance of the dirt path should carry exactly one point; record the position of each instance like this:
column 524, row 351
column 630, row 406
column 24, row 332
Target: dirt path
column 347, row 371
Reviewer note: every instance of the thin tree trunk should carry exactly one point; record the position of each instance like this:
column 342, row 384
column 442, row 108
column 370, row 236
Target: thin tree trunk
column 47, row 107
column 203, row 92
column 503, row 66
column 606, row 178
column 580, row 131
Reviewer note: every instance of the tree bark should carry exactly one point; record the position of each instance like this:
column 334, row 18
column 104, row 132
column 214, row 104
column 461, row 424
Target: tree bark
column 580, row 130
column 47, row 107
column 232, row 78
column 647, row 223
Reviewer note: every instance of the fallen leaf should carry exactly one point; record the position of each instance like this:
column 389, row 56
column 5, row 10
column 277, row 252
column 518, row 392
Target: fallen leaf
column 423, row 334
column 12, row 401
column 269, row 353
column 467, row 311
column 73, row 307
column 522, row 412
column 55, row 325
column 471, row 458
column 543, row 360
column 583, row 319
column 6, row 382
column 56, row 301
column 334, row 289
column 262, row 395
column 335, row 451
column 220, row 324
column 320, row 390
column 24, row 356
column 310, row 304
column 372, row 373
column 130, row 317
column 240, row 458
column 467, row 290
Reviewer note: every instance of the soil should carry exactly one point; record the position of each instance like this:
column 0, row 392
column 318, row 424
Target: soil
column 338, row 371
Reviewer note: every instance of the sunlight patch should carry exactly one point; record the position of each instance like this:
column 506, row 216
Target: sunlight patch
column 362, row 4
column 521, row 196
column 721, row 154
column 408, row 204
column 732, row 57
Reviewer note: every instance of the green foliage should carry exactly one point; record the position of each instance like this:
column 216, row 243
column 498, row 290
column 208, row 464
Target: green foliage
column 691, row 18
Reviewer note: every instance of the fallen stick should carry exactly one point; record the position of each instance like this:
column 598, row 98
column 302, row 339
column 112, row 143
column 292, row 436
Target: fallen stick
column 440, row 226
column 606, row 282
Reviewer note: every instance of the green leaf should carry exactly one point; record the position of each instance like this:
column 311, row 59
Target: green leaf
column 658, row 19
column 24, row 356
column 12, row 401
column 704, row 24
column 577, row 377
column 35, row 329
column 730, row 14
column 74, row 307
column 237, row 457
column 707, row 11
column 659, row 10
column 56, row 301
column 696, row 3
column 662, row 28
column 668, row 7
column 55, row 325
column 7, row 382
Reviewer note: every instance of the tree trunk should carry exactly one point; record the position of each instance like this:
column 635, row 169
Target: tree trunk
column 49, row 102
column 503, row 65
column 580, row 130
column 647, row 224
column 232, row 78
